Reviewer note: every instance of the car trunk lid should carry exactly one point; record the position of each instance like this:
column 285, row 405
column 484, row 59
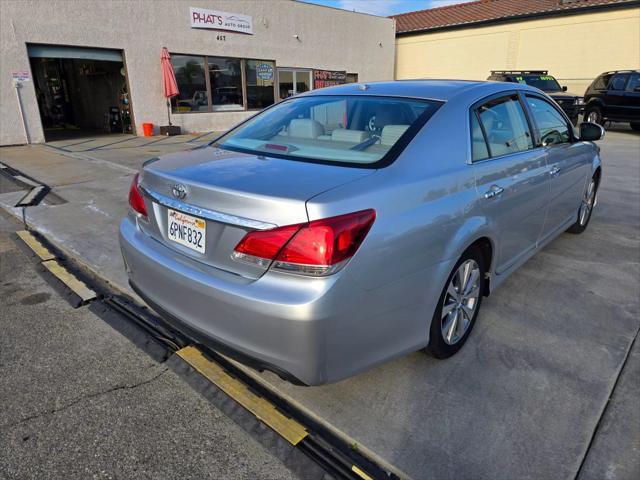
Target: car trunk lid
column 233, row 193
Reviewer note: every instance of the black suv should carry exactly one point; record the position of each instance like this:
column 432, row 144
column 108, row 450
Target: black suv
column 614, row 96
column 569, row 102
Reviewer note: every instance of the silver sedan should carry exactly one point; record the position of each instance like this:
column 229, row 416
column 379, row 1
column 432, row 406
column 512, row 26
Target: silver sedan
column 342, row 228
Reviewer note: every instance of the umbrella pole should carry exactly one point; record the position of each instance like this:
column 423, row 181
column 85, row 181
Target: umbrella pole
column 169, row 111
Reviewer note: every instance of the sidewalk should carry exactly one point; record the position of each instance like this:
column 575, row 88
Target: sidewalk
column 92, row 176
column 526, row 395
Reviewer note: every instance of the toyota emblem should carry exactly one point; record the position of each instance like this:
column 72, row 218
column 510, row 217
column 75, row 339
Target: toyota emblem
column 179, row 191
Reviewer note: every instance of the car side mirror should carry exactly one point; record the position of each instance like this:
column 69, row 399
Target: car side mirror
column 591, row 132
column 564, row 88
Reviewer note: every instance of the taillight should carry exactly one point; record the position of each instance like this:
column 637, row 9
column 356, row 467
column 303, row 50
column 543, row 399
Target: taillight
column 316, row 248
column 135, row 197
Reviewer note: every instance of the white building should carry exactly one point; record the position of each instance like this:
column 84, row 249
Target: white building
column 94, row 66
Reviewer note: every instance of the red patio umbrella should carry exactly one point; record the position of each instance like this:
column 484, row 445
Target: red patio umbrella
column 169, row 84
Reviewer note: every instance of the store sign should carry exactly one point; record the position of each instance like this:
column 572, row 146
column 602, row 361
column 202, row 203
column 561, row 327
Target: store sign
column 216, row 20
column 328, row 78
column 264, row 71
column 21, row 76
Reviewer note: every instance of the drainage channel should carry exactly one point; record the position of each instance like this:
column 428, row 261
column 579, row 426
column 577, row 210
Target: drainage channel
column 303, row 444
column 37, row 190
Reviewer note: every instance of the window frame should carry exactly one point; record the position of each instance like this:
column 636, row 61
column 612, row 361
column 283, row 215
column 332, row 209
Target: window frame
column 243, row 69
column 538, row 135
column 473, row 110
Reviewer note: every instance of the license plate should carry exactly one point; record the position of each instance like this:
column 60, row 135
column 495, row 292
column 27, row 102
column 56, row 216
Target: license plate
column 187, row 230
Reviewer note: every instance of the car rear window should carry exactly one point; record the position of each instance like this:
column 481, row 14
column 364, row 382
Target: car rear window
column 357, row 130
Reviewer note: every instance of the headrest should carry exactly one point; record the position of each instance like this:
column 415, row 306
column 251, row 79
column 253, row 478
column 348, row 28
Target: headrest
column 391, row 134
column 305, row 128
column 351, row 136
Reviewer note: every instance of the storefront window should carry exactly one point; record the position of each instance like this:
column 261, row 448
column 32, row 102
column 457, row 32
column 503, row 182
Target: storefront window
column 192, row 84
column 293, row 81
column 232, row 84
column 260, row 80
column 225, row 75
column 285, row 83
column 303, row 81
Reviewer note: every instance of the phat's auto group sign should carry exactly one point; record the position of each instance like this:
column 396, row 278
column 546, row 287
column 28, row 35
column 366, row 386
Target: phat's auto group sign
column 216, row 20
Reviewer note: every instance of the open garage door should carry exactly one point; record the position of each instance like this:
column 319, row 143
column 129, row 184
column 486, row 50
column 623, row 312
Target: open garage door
column 80, row 91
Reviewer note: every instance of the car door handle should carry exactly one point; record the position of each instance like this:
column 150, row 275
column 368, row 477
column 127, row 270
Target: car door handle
column 554, row 171
column 494, row 191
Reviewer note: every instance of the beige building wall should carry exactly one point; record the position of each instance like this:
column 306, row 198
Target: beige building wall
column 327, row 38
column 575, row 49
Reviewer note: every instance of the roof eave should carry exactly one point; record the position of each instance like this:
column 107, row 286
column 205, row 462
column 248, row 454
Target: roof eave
column 513, row 18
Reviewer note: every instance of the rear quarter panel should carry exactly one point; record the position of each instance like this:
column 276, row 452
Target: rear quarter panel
column 426, row 215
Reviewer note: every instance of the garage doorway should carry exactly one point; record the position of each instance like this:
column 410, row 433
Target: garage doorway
column 80, row 91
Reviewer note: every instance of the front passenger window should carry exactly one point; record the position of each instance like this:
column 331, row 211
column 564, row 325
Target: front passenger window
column 505, row 126
column 552, row 125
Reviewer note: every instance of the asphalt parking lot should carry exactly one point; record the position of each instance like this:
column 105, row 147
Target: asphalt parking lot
column 77, row 400
column 546, row 387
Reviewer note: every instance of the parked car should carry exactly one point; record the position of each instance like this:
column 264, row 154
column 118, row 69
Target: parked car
column 614, row 96
column 319, row 252
column 571, row 103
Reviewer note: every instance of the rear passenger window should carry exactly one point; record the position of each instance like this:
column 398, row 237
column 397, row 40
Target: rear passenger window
column 619, row 81
column 552, row 125
column 602, row 82
column 634, row 82
column 478, row 145
column 505, row 126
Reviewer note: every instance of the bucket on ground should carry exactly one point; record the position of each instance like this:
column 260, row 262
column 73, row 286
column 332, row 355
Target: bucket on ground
column 147, row 129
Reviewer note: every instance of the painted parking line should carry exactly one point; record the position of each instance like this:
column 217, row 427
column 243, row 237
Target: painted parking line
column 265, row 411
column 360, row 473
column 34, row 244
column 99, row 147
column 195, row 139
column 74, row 290
column 76, row 143
column 70, row 281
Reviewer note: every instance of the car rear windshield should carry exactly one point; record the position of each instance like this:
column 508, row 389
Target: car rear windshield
column 546, row 83
column 357, row 130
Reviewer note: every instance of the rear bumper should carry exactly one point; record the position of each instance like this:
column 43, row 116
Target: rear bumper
column 278, row 322
column 202, row 338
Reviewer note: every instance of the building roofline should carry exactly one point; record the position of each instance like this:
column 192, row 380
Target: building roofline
column 620, row 4
column 310, row 2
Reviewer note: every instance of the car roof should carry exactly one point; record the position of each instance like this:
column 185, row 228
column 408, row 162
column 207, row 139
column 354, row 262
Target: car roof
column 612, row 72
column 443, row 90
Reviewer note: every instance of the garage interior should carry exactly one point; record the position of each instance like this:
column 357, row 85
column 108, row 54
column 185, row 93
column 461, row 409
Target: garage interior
column 81, row 91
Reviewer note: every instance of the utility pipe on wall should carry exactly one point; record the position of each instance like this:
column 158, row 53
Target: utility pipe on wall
column 18, row 86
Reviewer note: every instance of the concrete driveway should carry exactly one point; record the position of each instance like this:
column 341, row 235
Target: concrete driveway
column 543, row 389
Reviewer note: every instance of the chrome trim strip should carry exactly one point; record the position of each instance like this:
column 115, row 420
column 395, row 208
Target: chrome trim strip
column 206, row 213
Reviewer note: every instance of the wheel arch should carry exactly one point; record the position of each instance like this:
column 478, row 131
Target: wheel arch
column 477, row 232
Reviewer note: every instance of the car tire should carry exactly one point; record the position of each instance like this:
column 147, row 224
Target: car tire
column 585, row 210
column 635, row 126
column 594, row 115
column 445, row 338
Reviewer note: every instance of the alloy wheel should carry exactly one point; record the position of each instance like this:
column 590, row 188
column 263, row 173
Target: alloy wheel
column 593, row 117
column 460, row 302
column 587, row 203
